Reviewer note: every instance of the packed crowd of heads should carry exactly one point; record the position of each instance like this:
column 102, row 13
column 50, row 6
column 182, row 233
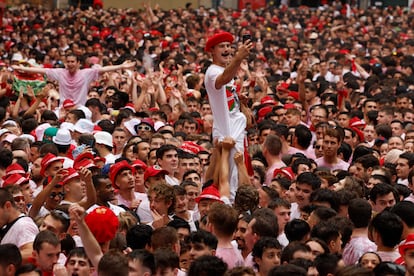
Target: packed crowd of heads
column 117, row 173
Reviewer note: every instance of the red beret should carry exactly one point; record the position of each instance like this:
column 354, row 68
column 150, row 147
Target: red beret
column 103, row 224
column 218, row 38
column 116, row 169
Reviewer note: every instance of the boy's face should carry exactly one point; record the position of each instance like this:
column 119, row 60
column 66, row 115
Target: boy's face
column 270, row 259
column 77, row 265
column 200, row 249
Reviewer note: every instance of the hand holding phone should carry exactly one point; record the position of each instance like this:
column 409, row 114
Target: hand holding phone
column 246, row 37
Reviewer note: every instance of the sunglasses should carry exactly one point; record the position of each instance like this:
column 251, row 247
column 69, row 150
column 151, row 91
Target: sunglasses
column 53, row 195
column 318, row 147
column 18, row 198
column 147, row 128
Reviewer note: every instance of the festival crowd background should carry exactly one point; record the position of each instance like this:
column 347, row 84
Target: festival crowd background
column 108, row 165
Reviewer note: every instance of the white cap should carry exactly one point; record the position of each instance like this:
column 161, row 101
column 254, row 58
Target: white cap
column 67, row 125
column 88, row 113
column 103, row 137
column 40, row 130
column 62, row 137
column 130, row 125
column 83, row 126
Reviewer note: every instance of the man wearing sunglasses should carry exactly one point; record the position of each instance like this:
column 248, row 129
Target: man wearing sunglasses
column 49, row 198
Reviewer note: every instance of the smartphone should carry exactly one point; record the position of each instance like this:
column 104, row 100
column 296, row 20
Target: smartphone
column 246, row 37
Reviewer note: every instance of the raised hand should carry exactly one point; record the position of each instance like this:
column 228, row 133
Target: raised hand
column 238, row 157
column 128, row 64
column 159, row 220
column 228, row 143
column 76, row 212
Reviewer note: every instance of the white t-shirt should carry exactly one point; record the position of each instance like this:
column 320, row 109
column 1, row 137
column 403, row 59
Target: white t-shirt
column 23, row 231
column 228, row 121
column 225, row 106
column 74, row 86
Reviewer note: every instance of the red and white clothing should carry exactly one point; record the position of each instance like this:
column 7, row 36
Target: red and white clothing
column 227, row 118
column 355, row 248
column 271, row 169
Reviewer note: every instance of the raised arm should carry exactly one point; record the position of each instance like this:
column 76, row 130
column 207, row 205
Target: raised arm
column 34, row 70
column 86, row 175
column 224, row 183
column 232, row 69
column 300, row 79
column 126, row 65
column 91, row 245
column 40, row 199
column 39, row 97
column 243, row 175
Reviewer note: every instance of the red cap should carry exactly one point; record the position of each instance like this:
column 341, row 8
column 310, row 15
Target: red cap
column 84, row 155
column 218, row 38
column 71, row 174
column 356, row 122
column 155, row 33
column 191, row 147
column 294, row 95
column 264, row 110
column 68, row 103
column 175, row 45
column 14, row 168
column 116, row 169
column 284, row 172
column 344, row 51
column 8, row 28
column 47, row 160
column 267, row 100
column 282, row 52
column 139, row 164
column 130, row 106
column 211, row 193
column 289, row 106
column 154, row 171
column 84, row 163
column 102, row 216
column 14, row 179
column 284, row 86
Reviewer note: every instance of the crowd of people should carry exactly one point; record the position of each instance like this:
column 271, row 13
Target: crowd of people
column 194, row 141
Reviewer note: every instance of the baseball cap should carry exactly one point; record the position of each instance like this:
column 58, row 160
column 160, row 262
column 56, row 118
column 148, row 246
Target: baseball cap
column 154, row 171
column 68, row 103
column 211, row 193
